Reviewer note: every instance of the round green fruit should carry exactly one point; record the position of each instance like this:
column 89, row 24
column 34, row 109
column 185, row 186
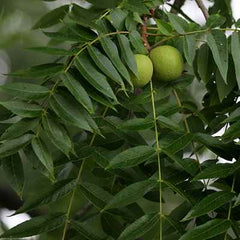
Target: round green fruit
column 167, row 63
column 145, row 70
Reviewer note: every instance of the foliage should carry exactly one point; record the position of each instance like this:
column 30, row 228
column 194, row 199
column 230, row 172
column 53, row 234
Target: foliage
column 98, row 159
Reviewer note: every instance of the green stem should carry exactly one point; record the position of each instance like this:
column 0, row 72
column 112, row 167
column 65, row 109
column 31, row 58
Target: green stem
column 67, row 221
column 159, row 160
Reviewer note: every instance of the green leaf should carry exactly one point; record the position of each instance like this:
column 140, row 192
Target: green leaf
column 78, row 91
column 207, row 230
column 136, row 6
column 104, row 3
column 139, row 227
column 43, row 155
column 95, row 194
column 94, row 77
column 215, row 20
column 179, row 144
column 178, row 23
column 52, row 51
column 52, row 194
column 189, row 48
column 13, row 169
column 25, row 90
column 132, row 157
column 130, row 194
column 168, row 123
column 136, row 124
column 57, row 135
column 127, row 53
column 52, row 18
column 87, row 231
column 216, row 171
column 39, row 71
column 204, row 63
column 209, row 204
column 105, row 65
column 137, row 43
column 23, row 109
column 218, row 44
column 164, row 27
column 232, row 132
column 117, row 18
column 12, row 146
column 111, row 50
column 235, row 50
column 69, row 111
column 19, row 128
column 35, row 226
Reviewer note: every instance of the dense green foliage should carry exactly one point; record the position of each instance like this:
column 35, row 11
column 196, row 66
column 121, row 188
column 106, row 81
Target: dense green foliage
column 98, row 159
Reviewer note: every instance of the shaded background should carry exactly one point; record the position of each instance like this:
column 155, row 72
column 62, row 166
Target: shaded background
column 16, row 19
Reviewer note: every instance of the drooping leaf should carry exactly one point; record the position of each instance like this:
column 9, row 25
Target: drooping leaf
column 52, row 194
column 235, row 50
column 57, row 135
column 139, row 227
column 189, row 48
column 51, row 18
column 178, row 23
column 78, row 91
column 39, row 71
column 23, row 109
column 13, row 169
column 164, row 27
column 86, row 231
column 43, row 155
column 218, row 44
column 35, row 226
column 105, row 65
column 127, row 53
column 117, row 18
column 130, row 194
column 69, row 111
column 19, row 128
column 94, row 77
column 112, row 51
column 12, row 146
column 25, row 90
column 209, row 204
column 137, row 43
column 132, row 157
column 207, row 230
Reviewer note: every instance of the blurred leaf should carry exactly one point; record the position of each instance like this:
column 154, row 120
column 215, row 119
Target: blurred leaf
column 53, row 17
column 207, row 230
column 132, row 157
column 164, row 27
column 78, row 91
column 12, row 146
column 94, row 77
column 139, row 227
column 215, row 20
column 43, row 155
column 23, row 109
column 137, row 43
column 219, row 46
column 13, row 169
column 19, row 128
column 52, row 194
column 136, row 6
column 235, row 50
column 25, row 90
column 57, row 135
column 117, row 18
column 39, row 71
column 209, row 204
column 168, row 123
column 189, row 48
column 35, row 226
column 52, row 51
column 137, row 124
column 104, row 3
column 130, row 194
column 178, row 23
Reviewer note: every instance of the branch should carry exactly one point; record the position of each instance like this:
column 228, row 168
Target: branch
column 203, row 8
column 144, row 34
column 177, row 5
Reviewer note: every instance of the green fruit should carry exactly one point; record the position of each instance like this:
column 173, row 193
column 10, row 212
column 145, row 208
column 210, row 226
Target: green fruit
column 167, row 63
column 145, row 70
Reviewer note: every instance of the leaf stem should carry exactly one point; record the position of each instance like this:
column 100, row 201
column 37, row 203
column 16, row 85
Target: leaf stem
column 159, row 160
column 67, row 221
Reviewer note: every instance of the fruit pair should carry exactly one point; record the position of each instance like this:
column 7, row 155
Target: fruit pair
column 165, row 63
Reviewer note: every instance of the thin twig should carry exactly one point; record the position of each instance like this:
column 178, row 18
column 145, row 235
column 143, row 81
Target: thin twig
column 203, row 8
column 144, row 34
